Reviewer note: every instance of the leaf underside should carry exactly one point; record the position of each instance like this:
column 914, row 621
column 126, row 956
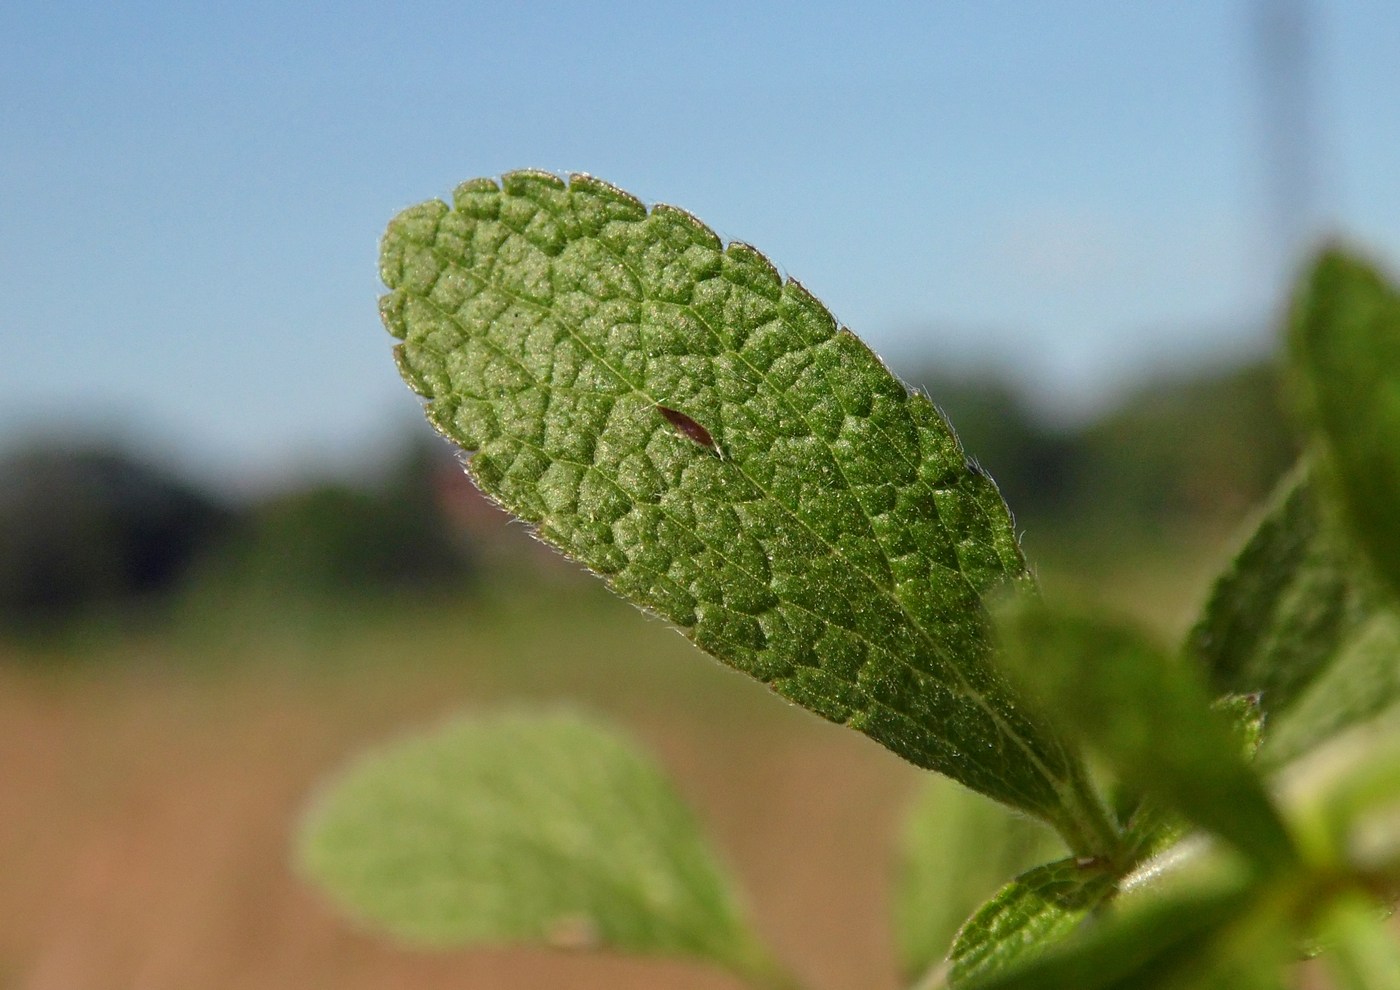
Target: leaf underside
column 673, row 414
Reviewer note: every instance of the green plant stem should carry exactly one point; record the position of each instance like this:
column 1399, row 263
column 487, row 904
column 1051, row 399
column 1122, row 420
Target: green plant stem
column 1087, row 826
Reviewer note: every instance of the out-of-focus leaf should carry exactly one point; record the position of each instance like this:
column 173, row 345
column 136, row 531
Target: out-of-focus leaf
column 1345, row 337
column 1150, row 828
column 958, row 848
column 1199, row 936
column 1362, row 952
column 1151, row 719
column 1032, row 912
column 1361, row 683
column 1297, row 620
column 676, row 416
column 1344, row 799
column 544, row 829
column 1285, row 607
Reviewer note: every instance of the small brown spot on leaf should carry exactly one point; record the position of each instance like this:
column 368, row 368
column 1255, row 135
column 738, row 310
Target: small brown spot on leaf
column 688, row 427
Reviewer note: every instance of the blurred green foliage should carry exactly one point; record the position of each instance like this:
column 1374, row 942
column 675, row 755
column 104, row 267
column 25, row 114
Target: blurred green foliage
column 333, row 540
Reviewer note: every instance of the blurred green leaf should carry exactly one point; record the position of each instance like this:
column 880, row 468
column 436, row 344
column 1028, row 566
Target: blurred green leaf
column 1295, row 619
column 1361, row 683
column 1344, row 801
column 1151, row 719
column 673, row 414
column 1286, row 605
column 1035, row 910
column 957, row 850
column 1362, row 951
column 542, row 829
column 1345, row 337
column 1151, row 828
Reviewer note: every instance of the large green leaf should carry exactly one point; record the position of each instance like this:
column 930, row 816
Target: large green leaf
column 673, row 414
column 1150, row 718
column 1026, row 916
column 544, row 829
column 1345, row 337
column 957, row 850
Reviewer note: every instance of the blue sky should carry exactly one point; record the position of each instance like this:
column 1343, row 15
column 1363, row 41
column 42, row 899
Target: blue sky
column 1072, row 191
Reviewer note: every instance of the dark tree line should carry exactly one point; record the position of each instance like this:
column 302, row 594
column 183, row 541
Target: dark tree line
column 1176, row 453
column 93, row 528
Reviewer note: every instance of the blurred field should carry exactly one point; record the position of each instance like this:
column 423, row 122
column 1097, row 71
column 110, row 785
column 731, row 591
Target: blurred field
column 149, row 795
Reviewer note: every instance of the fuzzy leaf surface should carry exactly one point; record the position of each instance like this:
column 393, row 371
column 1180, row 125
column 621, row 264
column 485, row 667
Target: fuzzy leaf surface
column 699, row 431
column 546, row 829
column 1030, row 913
column 1345, row 336
column 957, row 849
column 1150, row 718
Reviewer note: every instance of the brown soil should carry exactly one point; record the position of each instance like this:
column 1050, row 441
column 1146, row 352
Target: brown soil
column 145, row 819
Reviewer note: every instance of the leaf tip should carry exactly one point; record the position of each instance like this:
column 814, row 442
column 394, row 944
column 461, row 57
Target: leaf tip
column 684, row 218
column 621, row 203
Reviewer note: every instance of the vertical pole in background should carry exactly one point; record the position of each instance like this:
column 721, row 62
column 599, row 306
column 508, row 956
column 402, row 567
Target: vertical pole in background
column 1284, row 35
